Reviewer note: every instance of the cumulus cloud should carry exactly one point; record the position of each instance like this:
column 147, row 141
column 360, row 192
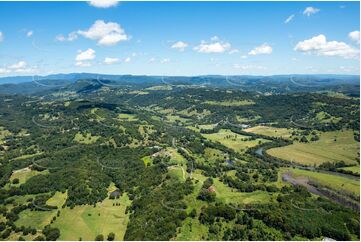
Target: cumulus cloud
column 179, row 45
column 128, row 59
column 355, row 36
column 152, row 60
column 109, row 60
column 264, row 49
column 88, row 54
column 233, row 51
column 70, row 37
column 103, row 3
column 319, row 45
column 289, row 19
column 310, row 10
column 105, row 33
column 82, row 64
column 18, row 67
column 29, row 33
column 83, row 57
column 1, row 36
column 215, row 46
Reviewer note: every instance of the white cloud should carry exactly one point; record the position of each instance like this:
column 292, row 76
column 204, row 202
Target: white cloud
column 215, row 38
column 151, row 60
column 165, row 60
column 289, row 19
column 1, row 36
column 105, row 33
column 310, row 10
column 264, row 49
column 320, row 46
column 71, row 36
column 4, row 71
column 244, row 57
column 355, row 36
column 233, row 51
column 18, row 65
column 128, row 59
column 180, row 45
column 103, row 3
column 29, row 33
column 109, row 60
column 213, row 47
column 88, row 54
column 82, row 64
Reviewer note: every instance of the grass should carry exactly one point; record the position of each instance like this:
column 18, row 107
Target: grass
column 139, row 92
column 147, row 160
column 334, row 182
column 270, row 131
column 354, row 169
column 324, row 117
column 230, row 103
column 87, row 222
column 175, row 157
column 159, row 88
column 86, row 138
column 3, row 134
column 191, row 228
column 127, row 117
column 58, row 199
column 233, row 140
column 35, row 219
column 24, row 174
column 245, row 119
column 332, row 146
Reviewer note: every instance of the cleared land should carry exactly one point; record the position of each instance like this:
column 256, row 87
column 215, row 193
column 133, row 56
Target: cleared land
column 86, row 222
column 270, row 131
column 332, row 147
column 24, row 174
column 354, row 169
column 85, row 138
column 230, row 103
column 334, row 182
column 234, row 141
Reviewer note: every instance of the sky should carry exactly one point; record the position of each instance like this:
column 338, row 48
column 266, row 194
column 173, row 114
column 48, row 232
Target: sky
column 179, row 38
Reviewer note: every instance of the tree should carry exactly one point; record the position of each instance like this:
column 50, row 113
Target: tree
column 193, row 213
column 51, row 233
column 99, row 237
column 16, row 181
column 111, row 236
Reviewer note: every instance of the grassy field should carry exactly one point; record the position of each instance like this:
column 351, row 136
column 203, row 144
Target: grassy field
column 127, row 117
column 233, row 140
column 332, row 146
column 270, row 131
column 230, row 103
column 57, row 200
column 334, row 182
column 24, row 174
column 35, row 219
column 87, row 222
column 354, row 169
column 85, row 138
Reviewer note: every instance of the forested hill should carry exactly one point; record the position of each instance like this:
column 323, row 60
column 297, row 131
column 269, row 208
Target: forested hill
column 347, row 84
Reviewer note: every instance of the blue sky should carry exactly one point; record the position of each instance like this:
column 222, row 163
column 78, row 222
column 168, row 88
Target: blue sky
column 179, row 38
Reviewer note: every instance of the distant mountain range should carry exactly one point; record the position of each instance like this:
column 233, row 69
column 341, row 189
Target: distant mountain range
column 348, row 84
